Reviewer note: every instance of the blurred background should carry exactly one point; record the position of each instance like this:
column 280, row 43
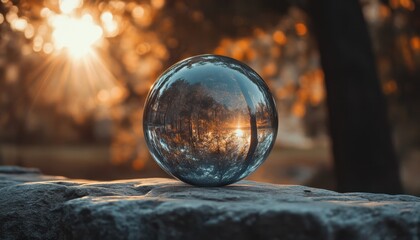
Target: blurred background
column 74, row 75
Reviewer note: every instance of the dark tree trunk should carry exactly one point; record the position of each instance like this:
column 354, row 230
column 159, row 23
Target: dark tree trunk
column 363, row 152
column 252, row 123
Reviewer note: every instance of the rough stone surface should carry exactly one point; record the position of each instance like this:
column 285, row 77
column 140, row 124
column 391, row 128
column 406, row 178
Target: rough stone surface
column 34, row 206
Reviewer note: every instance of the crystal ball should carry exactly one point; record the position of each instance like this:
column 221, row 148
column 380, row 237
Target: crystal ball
column 209, row 120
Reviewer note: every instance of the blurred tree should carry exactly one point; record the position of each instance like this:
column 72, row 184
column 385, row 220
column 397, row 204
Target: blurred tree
column 363, row 152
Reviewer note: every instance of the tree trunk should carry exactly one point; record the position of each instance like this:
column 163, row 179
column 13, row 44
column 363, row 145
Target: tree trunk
column 253, row 125
column 364, row 156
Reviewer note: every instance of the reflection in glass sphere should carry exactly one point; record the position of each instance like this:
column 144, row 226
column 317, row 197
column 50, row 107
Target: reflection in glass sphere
column 210, row 120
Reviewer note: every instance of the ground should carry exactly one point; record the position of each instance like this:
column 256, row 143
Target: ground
column 36, row 206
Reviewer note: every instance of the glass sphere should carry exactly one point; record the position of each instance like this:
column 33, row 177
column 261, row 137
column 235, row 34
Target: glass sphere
column 210, row 120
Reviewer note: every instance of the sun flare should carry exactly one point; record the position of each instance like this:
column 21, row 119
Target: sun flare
column 239, row 132
column 76, row 35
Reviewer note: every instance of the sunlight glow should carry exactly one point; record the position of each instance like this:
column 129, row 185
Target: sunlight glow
column 239, row 132
column 67, row 6
column 76, row 87
column 75, row 35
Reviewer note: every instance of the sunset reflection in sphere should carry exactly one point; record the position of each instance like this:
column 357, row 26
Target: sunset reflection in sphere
column 210, row 120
